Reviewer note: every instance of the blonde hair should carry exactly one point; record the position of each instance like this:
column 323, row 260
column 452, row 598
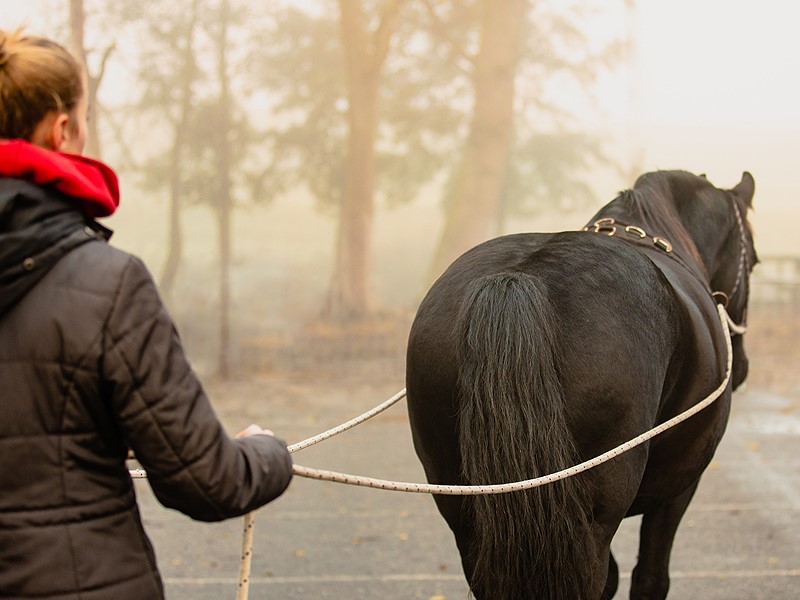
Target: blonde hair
column 37, row 76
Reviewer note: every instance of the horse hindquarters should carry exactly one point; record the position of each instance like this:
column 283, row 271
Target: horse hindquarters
column 532, row 544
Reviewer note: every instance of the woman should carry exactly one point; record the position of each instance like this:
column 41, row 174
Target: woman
column 91, row 365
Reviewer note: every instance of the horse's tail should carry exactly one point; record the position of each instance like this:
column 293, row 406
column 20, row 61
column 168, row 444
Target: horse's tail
column 512, row 426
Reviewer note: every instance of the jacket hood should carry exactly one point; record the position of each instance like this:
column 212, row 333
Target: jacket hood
column 92, row 184
column 47, row 201
column 37, row 227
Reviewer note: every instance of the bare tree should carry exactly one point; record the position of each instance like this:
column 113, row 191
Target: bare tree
column 180, row 135
column 77, row 23
column 521, row 153
column 224, row 201
column 474, row 204
column 359, row 124
column 365, row 54
column 188, row 50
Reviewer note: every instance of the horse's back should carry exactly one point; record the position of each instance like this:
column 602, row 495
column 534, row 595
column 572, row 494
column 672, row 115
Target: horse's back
column 614, row 316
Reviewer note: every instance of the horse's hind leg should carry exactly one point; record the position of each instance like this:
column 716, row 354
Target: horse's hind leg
column 650, row 579
column 454, row 512
column 612, row 581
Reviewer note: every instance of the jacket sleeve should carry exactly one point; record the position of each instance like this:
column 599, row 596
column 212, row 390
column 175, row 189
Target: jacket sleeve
column 192, row 464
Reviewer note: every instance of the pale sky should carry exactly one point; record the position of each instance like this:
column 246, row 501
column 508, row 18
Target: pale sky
column 720, row 62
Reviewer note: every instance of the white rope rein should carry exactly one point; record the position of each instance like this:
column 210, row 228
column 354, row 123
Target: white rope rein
column 728, row 326
column 349, row 425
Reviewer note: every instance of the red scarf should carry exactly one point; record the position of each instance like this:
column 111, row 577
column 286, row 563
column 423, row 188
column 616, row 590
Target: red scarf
column 90, row 182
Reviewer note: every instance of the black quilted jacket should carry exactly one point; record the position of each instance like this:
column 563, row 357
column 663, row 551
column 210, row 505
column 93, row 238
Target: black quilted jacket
column 91, row 365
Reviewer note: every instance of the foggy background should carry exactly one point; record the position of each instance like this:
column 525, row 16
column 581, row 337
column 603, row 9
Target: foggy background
column 296, row 175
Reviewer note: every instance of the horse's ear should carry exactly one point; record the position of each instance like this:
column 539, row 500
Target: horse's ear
column 703, row 175
column 746, row 188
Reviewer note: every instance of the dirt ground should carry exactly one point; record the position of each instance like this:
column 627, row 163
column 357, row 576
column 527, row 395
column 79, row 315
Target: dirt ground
column 773, row 346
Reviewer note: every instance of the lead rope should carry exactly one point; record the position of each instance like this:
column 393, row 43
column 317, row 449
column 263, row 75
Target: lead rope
column 349, row 425
column 728, row 326
column 243, row 591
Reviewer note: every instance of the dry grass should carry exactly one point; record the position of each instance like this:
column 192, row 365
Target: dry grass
column 373, row 351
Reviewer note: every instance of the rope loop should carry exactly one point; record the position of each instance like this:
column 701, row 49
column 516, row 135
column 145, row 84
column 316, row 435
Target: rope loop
column 728, row 327
column 503, row 488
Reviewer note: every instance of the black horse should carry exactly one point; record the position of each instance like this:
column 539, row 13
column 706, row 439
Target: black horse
column 535, row 352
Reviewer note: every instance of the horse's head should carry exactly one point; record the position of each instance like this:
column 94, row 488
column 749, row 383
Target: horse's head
column 716, row 220
column 736, row 259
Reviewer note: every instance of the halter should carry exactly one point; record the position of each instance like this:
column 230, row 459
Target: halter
column 722, row 297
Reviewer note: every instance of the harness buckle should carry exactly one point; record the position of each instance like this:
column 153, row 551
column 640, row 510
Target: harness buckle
column 637, row 230
column 605, row 225
column 662, row 243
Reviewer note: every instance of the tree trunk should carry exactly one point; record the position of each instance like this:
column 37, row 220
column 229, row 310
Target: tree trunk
column 175, row 251
column 175, row 236
column 349, row 296
column 225, row 284
column 473, row 208
column 224, row 200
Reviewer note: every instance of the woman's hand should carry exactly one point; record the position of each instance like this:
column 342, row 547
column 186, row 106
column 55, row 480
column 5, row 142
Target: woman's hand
column 253, row 430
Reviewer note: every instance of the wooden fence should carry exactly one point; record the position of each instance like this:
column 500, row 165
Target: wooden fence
column 776, row 283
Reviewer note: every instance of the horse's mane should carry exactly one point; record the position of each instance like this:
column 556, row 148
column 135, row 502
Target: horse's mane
column 653, row 204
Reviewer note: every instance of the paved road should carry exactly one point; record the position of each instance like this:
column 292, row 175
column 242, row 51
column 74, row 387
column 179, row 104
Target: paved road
column 740, row 539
